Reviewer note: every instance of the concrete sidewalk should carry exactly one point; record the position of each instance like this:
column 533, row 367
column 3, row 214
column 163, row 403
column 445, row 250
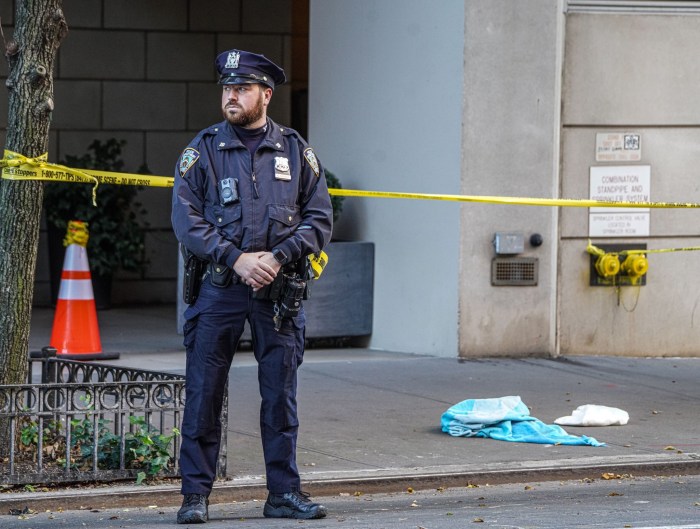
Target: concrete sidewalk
column 370, row 420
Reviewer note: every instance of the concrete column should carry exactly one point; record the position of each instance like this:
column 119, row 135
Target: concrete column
column 510, row 147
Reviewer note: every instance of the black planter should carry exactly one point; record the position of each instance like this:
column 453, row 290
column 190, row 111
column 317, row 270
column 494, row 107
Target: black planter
column 102, row 290
column 341, row 302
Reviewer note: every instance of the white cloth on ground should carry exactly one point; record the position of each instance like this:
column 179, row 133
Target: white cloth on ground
column 595, row 415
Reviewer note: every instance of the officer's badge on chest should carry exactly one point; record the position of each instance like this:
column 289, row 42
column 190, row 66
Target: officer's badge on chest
column 282, row 171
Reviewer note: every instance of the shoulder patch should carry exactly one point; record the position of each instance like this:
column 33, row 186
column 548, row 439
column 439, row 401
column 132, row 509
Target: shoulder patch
column 310, row 156
column 187, row 159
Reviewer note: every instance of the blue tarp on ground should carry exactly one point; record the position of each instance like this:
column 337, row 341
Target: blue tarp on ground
column 505, row 419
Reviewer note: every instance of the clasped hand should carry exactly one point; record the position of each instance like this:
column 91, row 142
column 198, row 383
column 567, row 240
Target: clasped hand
column 257, row 269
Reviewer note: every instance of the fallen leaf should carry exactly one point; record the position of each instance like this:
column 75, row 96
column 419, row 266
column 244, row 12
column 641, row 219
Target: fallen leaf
column 528, row 487
column 357, row 493
column 409, row 490
column 615, row 494
column 670, row 448
column 478, row 520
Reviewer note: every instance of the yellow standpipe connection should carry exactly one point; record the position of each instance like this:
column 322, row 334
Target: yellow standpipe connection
column 607, row 265
column 635, row 265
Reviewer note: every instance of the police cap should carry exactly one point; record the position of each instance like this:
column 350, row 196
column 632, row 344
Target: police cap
column 244, row 67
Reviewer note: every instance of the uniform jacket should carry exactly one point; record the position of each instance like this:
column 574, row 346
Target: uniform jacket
column 283, row 198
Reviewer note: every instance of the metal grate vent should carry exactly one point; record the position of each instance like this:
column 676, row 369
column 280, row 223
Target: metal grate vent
column 514, row 271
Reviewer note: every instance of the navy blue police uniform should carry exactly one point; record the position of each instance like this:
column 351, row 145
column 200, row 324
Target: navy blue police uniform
column 280, row 204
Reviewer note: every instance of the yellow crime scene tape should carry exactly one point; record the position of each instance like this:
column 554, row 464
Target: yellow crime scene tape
column 594, row 250
column 514, row 201
column 16, row 166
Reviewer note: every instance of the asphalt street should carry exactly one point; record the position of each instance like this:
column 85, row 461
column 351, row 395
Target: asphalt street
column 370, row 422
column 615, row 503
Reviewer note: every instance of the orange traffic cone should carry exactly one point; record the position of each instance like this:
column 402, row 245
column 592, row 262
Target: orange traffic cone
column 75, row 334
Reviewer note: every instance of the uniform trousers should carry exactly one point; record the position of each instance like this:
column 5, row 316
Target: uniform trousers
column 213, row 327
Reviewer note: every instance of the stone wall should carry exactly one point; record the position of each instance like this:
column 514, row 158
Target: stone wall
column 143, row 71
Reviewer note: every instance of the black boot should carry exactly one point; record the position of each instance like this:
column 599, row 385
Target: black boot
column 195, row 509
column 295, row 504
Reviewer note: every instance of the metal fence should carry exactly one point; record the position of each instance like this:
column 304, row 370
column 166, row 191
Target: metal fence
column 87, row 421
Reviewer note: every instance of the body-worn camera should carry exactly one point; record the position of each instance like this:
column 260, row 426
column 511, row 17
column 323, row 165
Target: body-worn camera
column 228, row 191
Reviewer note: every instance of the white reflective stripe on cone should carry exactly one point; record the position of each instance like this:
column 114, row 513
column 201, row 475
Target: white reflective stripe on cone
column 76, row 289
column 76, row 259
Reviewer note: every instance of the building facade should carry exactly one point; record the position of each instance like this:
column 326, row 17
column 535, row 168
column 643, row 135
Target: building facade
column 510, row 98
column 513, row 98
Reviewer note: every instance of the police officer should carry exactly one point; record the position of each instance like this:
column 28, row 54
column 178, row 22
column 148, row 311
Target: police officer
column 250, row 198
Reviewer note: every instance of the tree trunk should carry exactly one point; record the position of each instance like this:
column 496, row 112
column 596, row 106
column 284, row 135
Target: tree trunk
column 39, row 28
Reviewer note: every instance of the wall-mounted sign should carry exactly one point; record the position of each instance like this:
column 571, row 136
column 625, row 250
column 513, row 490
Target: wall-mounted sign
column 618, row 147
column 630, row 183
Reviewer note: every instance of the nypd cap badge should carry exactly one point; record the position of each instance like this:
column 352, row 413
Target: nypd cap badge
column 232, row 59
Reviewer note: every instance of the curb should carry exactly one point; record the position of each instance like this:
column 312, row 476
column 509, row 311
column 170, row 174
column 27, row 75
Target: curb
column 365, row 482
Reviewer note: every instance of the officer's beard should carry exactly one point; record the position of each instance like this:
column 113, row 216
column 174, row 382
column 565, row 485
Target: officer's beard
column 243, row 118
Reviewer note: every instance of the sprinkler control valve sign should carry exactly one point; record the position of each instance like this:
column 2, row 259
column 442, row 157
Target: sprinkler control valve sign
column 630, row 183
